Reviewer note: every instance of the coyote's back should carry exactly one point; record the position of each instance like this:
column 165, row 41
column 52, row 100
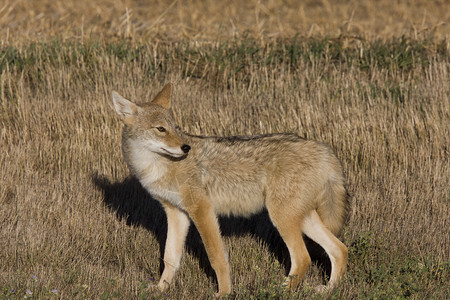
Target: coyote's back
column 298, row 181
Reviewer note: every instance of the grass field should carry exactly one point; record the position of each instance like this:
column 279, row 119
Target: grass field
column 371, row 80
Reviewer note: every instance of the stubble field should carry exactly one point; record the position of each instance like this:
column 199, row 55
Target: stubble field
column 371, row 80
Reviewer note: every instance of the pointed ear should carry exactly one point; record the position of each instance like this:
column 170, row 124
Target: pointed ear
column 126, row 109
column 163, row 98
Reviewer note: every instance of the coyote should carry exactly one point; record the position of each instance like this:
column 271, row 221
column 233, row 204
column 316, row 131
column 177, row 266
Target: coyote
column 298, row 181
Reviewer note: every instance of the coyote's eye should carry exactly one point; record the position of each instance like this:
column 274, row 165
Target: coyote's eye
column 161, row 129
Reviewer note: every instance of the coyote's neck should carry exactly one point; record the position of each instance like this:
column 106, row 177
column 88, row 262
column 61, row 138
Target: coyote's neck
column 146, row 165
column 151, row 169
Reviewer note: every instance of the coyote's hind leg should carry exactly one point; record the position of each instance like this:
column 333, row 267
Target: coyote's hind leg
column 289, row 227
column 316, row 230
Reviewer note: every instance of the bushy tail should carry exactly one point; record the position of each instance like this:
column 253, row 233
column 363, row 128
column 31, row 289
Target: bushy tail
column 333, row 207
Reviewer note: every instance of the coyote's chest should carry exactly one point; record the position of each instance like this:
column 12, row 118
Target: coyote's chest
column 154, row 181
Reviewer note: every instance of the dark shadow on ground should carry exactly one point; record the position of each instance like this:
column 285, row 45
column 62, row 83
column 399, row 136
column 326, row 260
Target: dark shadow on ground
column 130, row 201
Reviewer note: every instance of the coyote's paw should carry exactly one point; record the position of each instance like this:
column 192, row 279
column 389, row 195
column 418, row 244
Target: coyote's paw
column 320, row 289
column 291, row 282
column 161, row 286
column 152, row 289
column 220, row 295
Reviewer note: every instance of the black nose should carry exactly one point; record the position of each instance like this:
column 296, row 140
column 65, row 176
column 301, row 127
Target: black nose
column 185, row 148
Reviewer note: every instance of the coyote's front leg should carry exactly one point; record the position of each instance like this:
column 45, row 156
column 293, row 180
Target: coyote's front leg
column 177, row 229
column 202, row 214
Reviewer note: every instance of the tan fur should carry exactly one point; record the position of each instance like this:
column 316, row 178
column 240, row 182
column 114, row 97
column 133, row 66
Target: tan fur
column 300, row 182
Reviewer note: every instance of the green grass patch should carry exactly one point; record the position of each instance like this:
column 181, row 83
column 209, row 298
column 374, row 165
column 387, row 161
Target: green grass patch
column 383, row 274
column 225, row 60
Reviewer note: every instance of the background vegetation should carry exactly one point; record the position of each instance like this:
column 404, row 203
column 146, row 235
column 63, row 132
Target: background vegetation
column 369, row 78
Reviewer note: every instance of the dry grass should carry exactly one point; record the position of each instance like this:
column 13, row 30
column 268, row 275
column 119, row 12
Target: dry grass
column 154, row 21
column 72, row 220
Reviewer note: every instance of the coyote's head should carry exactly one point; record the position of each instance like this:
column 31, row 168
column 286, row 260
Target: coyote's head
column 151, row 125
